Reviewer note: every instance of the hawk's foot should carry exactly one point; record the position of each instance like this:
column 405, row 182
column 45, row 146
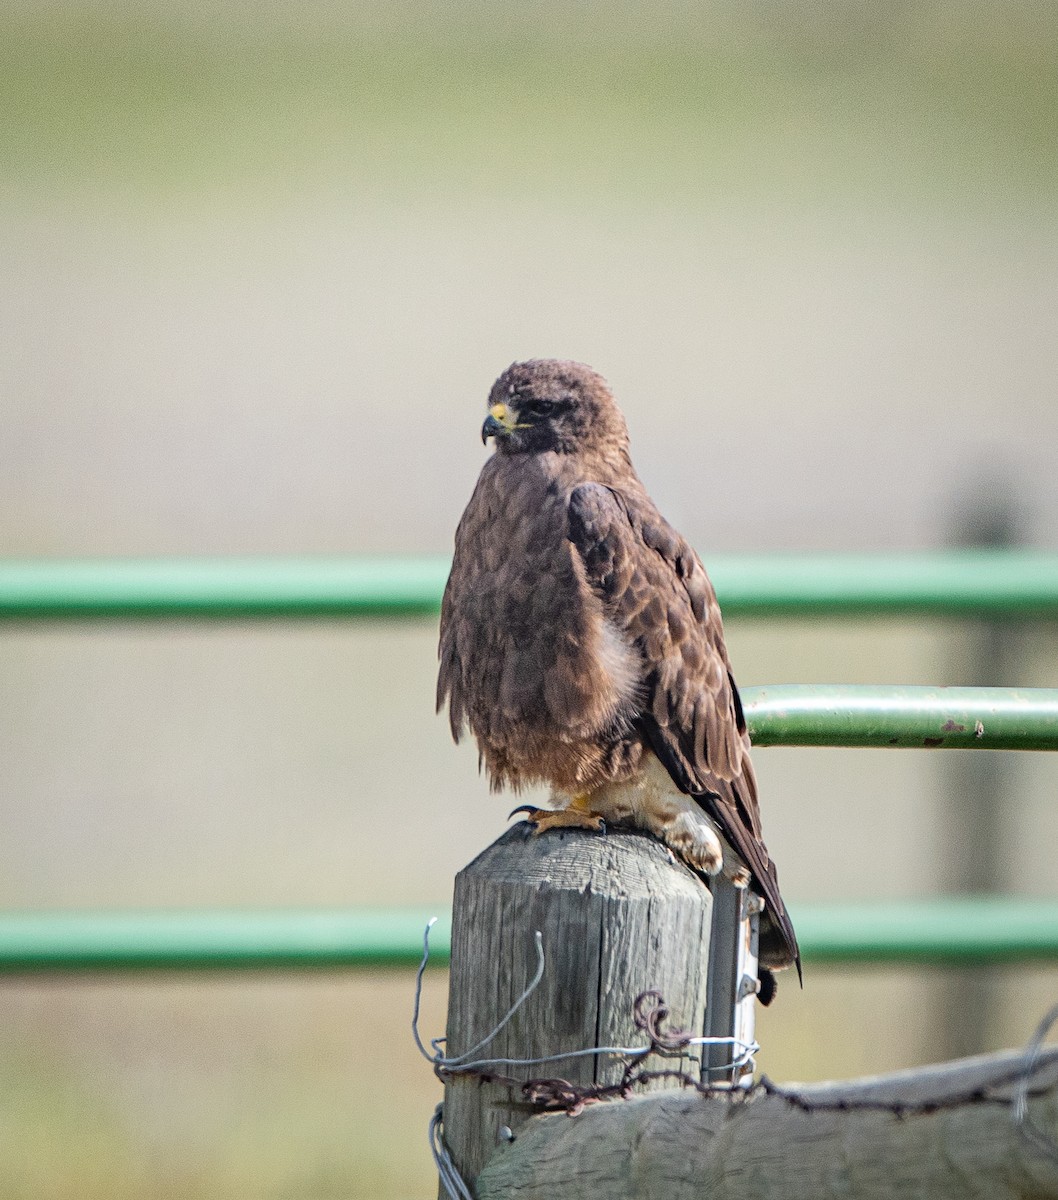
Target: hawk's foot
column 694, row 840
column 573, row 817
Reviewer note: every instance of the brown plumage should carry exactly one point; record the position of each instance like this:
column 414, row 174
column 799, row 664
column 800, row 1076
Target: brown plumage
column 582, row 643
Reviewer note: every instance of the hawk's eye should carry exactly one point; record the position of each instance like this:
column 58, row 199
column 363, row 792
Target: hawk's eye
column 540, row 407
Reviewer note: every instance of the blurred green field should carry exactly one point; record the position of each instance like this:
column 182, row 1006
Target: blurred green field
column 258, row 266
column 950, row 101
column 190, row 1089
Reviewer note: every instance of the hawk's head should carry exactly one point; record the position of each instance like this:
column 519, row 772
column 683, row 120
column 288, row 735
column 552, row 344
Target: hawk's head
column 550, row 404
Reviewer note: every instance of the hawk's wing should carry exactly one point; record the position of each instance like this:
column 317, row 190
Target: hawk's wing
column 656, row 593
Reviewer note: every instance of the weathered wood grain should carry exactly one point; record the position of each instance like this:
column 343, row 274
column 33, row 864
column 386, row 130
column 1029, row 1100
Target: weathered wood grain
column 684, row 1146
column 618, row 917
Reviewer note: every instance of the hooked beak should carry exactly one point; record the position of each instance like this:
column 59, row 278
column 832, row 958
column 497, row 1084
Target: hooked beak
column 497, row 424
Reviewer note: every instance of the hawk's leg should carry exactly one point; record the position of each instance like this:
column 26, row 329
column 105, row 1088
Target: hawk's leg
column 692, row 836
column 578, row 814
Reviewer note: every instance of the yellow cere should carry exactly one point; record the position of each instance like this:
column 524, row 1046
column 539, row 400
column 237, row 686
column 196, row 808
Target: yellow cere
column 499, row 411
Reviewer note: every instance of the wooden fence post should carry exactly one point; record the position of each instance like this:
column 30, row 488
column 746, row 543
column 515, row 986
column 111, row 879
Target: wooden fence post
column 618, row 916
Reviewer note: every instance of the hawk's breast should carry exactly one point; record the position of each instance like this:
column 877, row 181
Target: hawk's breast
column 529, row 659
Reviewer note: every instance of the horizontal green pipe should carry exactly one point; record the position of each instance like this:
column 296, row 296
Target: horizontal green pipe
column 942, row 583
column 217, row 940
column 939, row 931
column 222, row 588
column 952, row 583
column 896, row 716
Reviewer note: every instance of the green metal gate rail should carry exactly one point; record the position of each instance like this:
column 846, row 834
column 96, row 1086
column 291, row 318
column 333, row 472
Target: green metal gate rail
column 866, row 715
column 217, row 940
column 1008, row 583
column 943, row 931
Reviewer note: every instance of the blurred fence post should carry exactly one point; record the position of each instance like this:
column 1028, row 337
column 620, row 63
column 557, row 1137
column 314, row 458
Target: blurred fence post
column 980, row 792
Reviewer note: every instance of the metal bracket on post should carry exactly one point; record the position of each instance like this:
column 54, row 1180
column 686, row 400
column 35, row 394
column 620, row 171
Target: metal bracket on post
column 733, row 985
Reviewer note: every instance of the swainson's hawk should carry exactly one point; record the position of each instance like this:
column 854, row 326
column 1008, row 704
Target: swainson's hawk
column 581, row 640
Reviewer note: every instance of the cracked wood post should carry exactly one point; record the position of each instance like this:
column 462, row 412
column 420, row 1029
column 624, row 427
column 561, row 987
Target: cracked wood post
column 618, row 916
column 685, row 1146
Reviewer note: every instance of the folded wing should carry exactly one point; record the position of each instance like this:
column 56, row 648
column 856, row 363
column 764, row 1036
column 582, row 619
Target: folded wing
column 655, row 591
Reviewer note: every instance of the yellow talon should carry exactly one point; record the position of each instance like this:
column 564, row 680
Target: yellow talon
column 543, row 819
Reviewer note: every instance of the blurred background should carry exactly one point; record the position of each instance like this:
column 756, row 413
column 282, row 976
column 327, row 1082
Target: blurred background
column 259, row 264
